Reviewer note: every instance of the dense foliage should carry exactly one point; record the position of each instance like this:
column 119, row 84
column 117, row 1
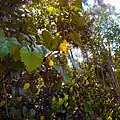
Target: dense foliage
column 40, row 79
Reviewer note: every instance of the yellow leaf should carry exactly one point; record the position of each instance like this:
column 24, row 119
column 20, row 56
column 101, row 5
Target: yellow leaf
column 26, row 86
column 2, row 103
column 65, row 41
column 51, row 63
column 63, row 47
column 41, row 117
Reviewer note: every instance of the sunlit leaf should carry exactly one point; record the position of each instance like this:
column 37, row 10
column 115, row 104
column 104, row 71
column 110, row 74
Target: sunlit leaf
column 31, row 59
column 61, row 101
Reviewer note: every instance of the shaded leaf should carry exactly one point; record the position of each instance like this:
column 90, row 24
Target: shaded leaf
column 76, row 39
column 24, row 110
column 2, row 36
column 78, row 20
column 50, row 43
column 32, row 112
column 13, row 91
column 66, row 77
column 58, row 69
column 3, row 50
column 12, row 44
column 18, row 66
column 47, row 39
column 13, row 41
column 45, row 50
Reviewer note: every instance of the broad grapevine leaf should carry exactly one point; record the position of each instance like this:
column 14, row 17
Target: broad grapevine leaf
column 12, row 41
column 47, row 39
column 16, row 54
column 50, row 43
column 12, row 44
column 78, row 20
column 31, row 59
column 76, row 39
column 3, row 49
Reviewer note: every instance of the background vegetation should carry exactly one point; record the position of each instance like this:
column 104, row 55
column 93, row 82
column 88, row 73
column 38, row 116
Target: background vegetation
column 42, row 78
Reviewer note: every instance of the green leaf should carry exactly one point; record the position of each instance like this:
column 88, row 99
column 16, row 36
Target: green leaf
column 66, row 77
column 18, row 66
column 56, row 43
column 78, row 3
column 13, row 45
column 32, row 60
column 2, row 36
column 87, row 82
column 13, row 41
column 66, row 97
column 3, row 50
column 66, row 104
column 16, row 54
column 47, row 39
column 86, row 108
column 50, row 9
column 50, row 43
column 76, row 39
column 78, row 20
column 61, row 101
